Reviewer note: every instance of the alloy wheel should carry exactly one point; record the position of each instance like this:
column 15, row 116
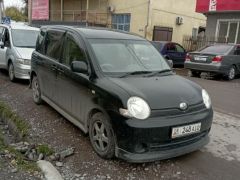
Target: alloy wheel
column 36, row 92
column 11, row 72
column 100, row 136
column 231, row 73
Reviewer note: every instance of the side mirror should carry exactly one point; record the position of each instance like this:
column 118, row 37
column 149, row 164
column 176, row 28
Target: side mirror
column 79, row 67
column 170, row 63
column 1, row 44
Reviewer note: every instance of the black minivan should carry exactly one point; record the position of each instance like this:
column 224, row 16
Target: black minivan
column 117, row 88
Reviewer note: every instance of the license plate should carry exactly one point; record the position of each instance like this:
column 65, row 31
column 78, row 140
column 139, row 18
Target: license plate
column 186, row 130
column 200, row 58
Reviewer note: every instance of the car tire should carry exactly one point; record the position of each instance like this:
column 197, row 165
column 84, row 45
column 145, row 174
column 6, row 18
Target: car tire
column 231, row 73
column 192, row 73
column 11, row 72
column 102, row 136
column 36, row 91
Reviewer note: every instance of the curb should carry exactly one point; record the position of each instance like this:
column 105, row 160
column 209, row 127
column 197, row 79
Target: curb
column 49, row 171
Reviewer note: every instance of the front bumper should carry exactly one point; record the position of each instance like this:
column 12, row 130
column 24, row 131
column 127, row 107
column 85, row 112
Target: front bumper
column 22, row 71
column 207, row 67
column 164, row 154
column 150, row 140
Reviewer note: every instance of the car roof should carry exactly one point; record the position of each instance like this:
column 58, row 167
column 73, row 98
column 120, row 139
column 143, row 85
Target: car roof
column 17, row 25
column 23, row 27
column 99, row 33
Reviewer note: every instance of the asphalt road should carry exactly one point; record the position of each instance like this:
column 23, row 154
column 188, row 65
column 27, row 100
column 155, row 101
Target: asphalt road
column 225, row 95
column 220, row 159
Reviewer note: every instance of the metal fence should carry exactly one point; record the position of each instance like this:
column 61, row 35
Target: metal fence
column 193, row 43
column 91, row 16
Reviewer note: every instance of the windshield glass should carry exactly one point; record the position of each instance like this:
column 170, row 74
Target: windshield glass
column 217, row 49
column 24, row 38
column 126, row 56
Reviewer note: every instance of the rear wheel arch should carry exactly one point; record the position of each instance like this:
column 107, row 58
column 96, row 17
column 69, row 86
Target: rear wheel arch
column 236, row 67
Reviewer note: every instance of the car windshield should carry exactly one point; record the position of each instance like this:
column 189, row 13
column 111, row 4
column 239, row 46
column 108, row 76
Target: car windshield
column 24, row 38
column 217, row 49
column 127, row 56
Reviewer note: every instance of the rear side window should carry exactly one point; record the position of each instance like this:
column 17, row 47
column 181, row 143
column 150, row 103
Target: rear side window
column 179, row 49
column 53, row 43
column 40, row 41
column 72, row 51
column 171, row 47
column 218, row 49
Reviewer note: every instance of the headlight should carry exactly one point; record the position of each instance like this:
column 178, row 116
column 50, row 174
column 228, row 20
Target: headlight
column 137, row 108
column 206, row 99
column 23, row 61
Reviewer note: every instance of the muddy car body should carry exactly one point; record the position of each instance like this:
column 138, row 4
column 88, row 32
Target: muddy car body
column 119, row 89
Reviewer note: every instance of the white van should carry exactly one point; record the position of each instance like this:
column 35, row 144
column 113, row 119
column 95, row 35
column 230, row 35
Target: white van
column 17, row 42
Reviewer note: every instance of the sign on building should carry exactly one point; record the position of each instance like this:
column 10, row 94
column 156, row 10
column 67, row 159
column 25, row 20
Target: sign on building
column 40, row 9
column 213, row 5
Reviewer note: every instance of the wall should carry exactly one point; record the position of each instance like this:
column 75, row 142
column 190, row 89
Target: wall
column 138, row 11
column 212, row 21
column 162, row 13
column 165, row 12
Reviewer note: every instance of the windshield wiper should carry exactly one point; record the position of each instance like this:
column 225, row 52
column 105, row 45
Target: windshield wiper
column 135, row 73
column 159, row 72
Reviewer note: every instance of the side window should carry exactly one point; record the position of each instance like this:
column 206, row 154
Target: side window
column 179, row 48
column 72, row 51
column 6, row 38
column 171, row 47
column 40, row 41
column 53, row 44
column 237, row 51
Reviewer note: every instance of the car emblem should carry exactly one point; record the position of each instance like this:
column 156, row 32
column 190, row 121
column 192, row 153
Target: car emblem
column 183, row 106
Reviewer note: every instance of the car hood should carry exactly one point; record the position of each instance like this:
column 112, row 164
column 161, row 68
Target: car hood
column 162, row 92
column 25, row 53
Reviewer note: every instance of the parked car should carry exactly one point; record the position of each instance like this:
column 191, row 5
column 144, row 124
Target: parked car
column 119, row 89
column 17, row 42
column 221, row 59
column 171, row 50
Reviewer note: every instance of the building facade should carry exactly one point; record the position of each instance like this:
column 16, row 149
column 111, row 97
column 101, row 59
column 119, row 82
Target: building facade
column 223, row 19
column 168, row 20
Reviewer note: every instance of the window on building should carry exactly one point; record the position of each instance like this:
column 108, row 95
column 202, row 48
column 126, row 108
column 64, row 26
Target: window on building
column 194, row 33
column 121, row 21
column 228, row 31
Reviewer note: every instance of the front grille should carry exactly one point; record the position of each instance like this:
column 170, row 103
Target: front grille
column 178, row 142
column 177, row 112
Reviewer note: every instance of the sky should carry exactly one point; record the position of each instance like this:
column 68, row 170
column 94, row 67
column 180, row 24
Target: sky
column 18, row 3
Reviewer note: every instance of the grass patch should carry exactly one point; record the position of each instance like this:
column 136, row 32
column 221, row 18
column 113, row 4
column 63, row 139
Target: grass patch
column 19, row 160
column 7, row 113
column 44, row 149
